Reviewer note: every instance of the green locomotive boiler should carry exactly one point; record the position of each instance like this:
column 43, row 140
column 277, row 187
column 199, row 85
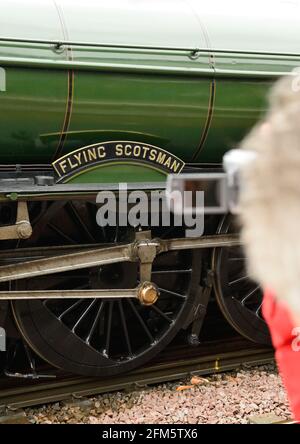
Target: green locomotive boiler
column 94, row 94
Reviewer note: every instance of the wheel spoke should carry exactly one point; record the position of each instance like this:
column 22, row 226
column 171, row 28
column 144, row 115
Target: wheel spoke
column 188, row 271
column 62, row 234
column 143, row 324
column 92, row 214
column 44, row 219
column 38, row 281
column 172, row 293
column 95, row 323
column 238, row 280
column 90, row 210
column 161, row 313
column 252, row 292
column 83, row 315
column 82, row 226
column 69, row 309
column 123, row 320
column 258, row 309
column 117, row 231
column 108, row 330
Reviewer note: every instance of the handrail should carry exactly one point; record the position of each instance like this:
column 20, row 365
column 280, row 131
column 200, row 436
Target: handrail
column 58, row 44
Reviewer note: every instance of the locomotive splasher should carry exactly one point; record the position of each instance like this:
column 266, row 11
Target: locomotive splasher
column 94, row 94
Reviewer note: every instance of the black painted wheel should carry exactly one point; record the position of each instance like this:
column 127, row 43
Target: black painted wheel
column 101, row 337
column 239, row 297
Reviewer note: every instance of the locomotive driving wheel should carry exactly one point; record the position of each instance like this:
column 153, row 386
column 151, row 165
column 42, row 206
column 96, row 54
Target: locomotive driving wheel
column 239, row 297
column 100, row 337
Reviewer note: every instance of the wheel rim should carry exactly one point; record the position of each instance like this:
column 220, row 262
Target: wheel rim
column 98, row 338
column 239, row 297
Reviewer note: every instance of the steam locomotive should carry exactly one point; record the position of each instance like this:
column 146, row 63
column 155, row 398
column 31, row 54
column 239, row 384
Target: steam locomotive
column 94, row 94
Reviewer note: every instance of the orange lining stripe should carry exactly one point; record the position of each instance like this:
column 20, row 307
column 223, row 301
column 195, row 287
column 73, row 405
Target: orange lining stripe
column 209, row 116
column 68, row 113
column 71, row 78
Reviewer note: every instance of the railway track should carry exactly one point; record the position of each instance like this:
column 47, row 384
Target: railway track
column 173, row 364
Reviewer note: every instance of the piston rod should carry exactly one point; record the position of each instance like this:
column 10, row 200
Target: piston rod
column 133, row 252
column 66, row 262
column 147, row 293
column 70, row 294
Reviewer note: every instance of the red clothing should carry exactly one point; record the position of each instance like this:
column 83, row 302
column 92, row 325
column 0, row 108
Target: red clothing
column 286, row 343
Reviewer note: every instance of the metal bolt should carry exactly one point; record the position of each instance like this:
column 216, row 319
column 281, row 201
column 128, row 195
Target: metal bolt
column 24, row 230
column 148, row 293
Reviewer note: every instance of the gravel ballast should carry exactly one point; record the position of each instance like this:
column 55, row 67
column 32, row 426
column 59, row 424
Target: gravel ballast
column 232, row 397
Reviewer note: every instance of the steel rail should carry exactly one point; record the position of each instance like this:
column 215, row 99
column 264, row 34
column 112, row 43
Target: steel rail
column 68, row 388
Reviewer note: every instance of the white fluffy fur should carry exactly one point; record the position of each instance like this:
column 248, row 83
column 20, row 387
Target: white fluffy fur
column 270, row 200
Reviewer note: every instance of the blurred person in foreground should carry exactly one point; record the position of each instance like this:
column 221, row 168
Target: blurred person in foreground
column 270, row 217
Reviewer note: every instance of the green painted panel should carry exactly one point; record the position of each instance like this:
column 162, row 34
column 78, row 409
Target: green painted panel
column 238, row 106
column 32, row 106
column 123, row 173
column 169, row 112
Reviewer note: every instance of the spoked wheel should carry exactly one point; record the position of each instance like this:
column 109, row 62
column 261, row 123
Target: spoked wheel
column 97, row 337
column 239, row 297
